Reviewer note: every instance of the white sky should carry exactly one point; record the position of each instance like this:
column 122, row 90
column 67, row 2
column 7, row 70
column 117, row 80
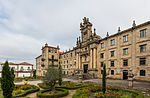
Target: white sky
column 26, row 25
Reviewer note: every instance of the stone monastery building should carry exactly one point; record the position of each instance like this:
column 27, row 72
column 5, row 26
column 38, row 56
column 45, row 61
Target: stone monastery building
column 126, row 50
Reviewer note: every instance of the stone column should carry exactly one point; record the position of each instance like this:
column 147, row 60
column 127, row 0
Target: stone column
column 77, row 61
column 94, row 54
column 80, row 62
column 91, row 60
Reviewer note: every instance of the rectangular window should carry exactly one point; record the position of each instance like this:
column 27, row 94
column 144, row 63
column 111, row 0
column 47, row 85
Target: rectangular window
column 71, row 54
column 101, row 71
column 102, row 64
column 143, row 33
column 112, row 63
column 52, row 62
column 125, row 62
column 102, row 55
column 49, row 50
column 125, row 51
column 142, row 61
column 142, row 72
column 112, row 42
column 125, row 38
column 142, row 48
column 85, row 49
column 102, row 45
column 111, row 53
column 52, row 57
column 112, row 72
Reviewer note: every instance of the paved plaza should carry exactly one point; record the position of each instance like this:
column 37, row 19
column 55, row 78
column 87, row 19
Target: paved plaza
column 140, row 86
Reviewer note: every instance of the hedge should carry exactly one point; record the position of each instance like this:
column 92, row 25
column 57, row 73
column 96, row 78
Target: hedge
column 42, row 85
column 77, row 94
column 28, row 92
column 135, row 94
column 41, row 94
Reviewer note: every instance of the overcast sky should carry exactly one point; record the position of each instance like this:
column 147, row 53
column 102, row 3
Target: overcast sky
column 26, row 25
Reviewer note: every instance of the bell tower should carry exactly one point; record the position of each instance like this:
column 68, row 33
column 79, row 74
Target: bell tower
column 86, row 29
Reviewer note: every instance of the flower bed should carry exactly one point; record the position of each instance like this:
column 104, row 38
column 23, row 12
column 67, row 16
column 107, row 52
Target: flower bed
column 23, row 90
column 112, row 92
column 41, row 94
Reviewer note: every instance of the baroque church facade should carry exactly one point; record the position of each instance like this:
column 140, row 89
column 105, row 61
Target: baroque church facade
column 126, row 50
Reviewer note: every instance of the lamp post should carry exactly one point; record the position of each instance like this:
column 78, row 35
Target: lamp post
column 130, row 79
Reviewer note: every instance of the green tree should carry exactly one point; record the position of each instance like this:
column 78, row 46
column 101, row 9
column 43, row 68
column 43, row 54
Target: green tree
column 51, row 77
column 7, row 82
column 13, row 75
column 60, row 75
column 104, row 79
column 34, row 73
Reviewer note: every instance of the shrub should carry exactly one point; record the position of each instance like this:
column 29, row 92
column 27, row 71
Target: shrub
column 26, row 87
column 62, row 94
column 43, row 85
column 51, row 77
column 16, row 92
column 18, row 79
column 108, row 94
column 66, row 85
column 33, row 89
column 82, row 93
column 113, row 88
column 135, row 94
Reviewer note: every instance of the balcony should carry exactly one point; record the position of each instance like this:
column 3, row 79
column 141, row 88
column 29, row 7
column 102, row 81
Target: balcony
column 53, row 65
column 53, row 59
column 84, row 53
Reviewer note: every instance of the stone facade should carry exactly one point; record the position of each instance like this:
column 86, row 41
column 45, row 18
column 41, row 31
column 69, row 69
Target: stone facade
column 126, row 50
column 49, row 56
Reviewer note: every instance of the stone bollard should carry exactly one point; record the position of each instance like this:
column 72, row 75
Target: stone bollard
column 130, row 79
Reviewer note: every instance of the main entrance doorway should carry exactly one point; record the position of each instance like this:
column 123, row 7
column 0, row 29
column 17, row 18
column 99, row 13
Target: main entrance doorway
column 85, row 68
column 125, row 74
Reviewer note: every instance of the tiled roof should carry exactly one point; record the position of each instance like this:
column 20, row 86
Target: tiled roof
column 25, row 63
column 10, row 63
column 60, row 52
